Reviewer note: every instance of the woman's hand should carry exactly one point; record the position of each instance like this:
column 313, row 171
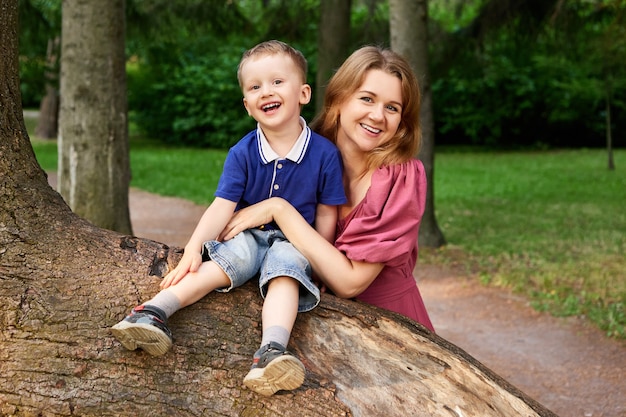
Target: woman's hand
column 253, row 216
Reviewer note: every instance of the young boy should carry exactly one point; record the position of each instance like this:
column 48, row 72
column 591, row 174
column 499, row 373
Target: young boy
column 281, row 157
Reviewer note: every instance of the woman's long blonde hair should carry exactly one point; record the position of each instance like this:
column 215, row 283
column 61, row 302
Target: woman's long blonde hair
column 349, row 77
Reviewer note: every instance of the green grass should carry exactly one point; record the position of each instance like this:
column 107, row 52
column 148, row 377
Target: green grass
column 549, row 225
column 187, row 173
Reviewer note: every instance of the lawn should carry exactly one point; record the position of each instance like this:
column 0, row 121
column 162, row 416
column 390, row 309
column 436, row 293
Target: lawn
column 550, row 225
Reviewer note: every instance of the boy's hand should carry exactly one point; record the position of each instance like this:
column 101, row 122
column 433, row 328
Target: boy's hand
column 190, row 262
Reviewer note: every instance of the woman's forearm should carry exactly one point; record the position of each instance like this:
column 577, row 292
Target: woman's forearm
column 346, row 278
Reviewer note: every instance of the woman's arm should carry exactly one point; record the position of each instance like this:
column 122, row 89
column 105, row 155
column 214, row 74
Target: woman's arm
column 326, row 221
column 346, row 278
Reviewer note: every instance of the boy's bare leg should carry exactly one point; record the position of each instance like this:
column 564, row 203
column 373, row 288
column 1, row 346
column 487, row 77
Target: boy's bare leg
column 280, row 307
column 273, row 368
column 146, row 326
column 195, row 285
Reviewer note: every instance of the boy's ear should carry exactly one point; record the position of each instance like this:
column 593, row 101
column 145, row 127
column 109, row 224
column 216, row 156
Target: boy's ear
column 245, row 104
column 305, row 94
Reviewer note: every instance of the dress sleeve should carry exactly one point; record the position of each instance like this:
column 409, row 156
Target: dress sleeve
column 385, row 226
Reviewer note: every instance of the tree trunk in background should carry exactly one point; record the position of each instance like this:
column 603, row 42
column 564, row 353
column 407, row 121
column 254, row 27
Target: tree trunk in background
column 609, row 134
column 332, row 43
column 48, row 120
column 64, row 282
column 94, row 168
column 408, row 21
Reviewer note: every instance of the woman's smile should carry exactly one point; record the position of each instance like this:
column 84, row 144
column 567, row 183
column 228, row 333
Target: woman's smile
column 371, row 116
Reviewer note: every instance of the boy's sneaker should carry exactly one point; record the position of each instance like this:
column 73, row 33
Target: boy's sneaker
column 273, row 370
column 146, row 328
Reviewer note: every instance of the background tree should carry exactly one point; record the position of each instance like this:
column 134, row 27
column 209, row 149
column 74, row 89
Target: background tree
column 333, row 43
column 48, row 120
column 94, row 167
column 64, row 281
column 40, row 32
column 409, row 36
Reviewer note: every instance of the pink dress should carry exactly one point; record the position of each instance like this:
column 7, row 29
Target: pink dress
column 384, row 228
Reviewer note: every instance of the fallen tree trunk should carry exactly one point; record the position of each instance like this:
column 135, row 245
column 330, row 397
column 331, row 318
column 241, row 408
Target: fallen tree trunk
column 59, row 359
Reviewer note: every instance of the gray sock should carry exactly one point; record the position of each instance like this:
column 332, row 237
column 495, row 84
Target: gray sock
column 276, row 334
column 166, row 301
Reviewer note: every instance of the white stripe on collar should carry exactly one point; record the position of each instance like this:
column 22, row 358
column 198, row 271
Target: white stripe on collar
column 297, row 150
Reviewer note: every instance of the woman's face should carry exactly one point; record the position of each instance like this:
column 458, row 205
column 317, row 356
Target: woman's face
column 371, row 115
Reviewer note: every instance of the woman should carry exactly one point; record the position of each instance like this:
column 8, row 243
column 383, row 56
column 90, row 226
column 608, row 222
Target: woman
column 371, row 112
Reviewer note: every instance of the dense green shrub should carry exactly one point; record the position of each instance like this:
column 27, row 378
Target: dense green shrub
column 196, row 101
column 505, row 99
column 516, row 86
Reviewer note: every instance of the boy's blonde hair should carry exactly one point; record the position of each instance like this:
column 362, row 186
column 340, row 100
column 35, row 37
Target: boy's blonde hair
column 271, row 48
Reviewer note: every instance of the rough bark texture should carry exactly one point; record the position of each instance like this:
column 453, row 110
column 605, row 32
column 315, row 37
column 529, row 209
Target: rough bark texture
column 408, row 21
column 333, row 42
column 94, row 167
column 64, row 282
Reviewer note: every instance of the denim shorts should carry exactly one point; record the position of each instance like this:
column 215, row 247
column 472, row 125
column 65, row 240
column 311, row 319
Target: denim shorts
column 268, row 254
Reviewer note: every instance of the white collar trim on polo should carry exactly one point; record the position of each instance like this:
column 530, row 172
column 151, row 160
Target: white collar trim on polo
column 297, row 150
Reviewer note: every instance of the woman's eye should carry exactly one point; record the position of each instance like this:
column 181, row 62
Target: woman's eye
column 392, row 108
column 366, row 99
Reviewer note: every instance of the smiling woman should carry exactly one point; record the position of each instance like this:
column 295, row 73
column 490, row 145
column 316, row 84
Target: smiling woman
column 371, row 111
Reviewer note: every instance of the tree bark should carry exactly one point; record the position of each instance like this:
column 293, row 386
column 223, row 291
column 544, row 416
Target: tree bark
column 332, row 43
column 64, row 282
column 408, row 21
column 94, row 167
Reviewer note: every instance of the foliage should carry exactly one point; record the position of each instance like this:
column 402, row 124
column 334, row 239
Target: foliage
column 40, row 21
column 198, row 103
column 541, row 79
column 32, row 81
column 183, row 88
column 505, row 73
column 370, row 23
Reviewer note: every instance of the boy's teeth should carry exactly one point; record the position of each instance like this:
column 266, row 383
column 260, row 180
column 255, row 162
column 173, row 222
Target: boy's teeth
column 270, row 106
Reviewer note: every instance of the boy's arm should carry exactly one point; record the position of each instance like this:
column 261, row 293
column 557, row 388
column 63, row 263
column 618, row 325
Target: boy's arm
column 326, row 221
column 209, row 227
column 211, row 223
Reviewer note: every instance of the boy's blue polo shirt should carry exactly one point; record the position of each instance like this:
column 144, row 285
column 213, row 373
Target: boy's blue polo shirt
column 309, row 175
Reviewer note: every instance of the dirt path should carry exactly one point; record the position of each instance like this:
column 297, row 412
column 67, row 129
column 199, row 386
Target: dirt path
column 565, row 364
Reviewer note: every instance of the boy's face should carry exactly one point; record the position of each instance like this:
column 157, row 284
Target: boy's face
column 273, row 90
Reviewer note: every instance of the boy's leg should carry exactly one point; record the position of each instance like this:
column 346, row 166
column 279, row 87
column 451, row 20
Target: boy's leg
column 146, row 326
column 273, row 368
column 195, row 285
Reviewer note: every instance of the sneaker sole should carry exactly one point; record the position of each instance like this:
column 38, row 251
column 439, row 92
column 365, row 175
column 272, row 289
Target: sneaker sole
column 283, row 373
column 143, row 336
